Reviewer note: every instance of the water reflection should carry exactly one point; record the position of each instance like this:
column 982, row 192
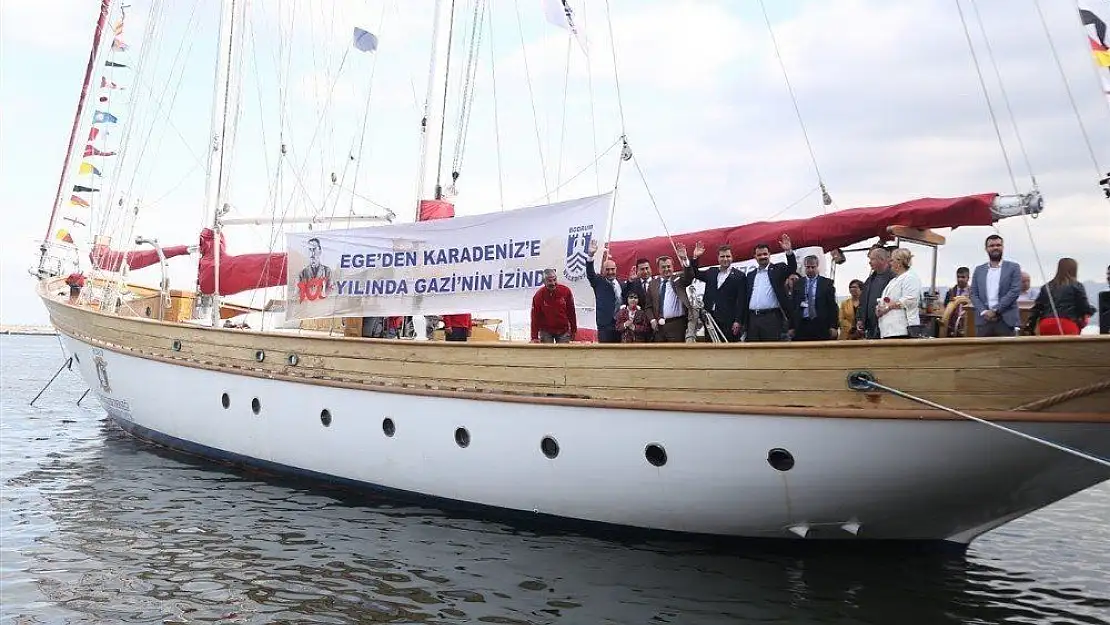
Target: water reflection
column 98, row 527
column 142, row 536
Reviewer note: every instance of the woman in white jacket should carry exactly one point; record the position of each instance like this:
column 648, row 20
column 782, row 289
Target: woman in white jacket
column 897, row 309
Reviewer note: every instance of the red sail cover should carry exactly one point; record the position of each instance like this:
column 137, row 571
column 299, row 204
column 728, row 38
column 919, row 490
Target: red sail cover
column 104, row 257
column 237, row 273
column 435, row 209
column 829, row 231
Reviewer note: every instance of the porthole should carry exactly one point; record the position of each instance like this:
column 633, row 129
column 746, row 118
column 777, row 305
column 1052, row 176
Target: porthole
column 260, row 355
column 549, row 446
column 780, row 459
column 148, row 311
column 655, row 455
column 325, row 417
column 462, row 437
column 388, row 426
column 293, row 359
column 225, row 400
column 177, row 346
column 256, row 406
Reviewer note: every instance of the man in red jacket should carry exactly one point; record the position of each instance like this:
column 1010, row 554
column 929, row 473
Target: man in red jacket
column 456, row 327
column 553, row 318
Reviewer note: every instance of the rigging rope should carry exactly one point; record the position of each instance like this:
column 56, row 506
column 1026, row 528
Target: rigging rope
column 496, row 118
column 1071, row 96
column 1005, row 95
column 466, row 98
column 986, row 96
column 616, row 76
column 443, row 113
column 590, row 88
column 826, row 200
column 531, row 98
column 563, row 121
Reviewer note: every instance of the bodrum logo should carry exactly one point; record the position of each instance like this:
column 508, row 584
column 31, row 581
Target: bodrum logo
column 578, row 241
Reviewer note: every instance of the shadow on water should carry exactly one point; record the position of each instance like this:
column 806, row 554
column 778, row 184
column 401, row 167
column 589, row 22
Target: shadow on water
column 142, row 534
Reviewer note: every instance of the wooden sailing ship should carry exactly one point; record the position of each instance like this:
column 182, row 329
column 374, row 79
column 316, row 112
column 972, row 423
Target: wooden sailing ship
column 829, row 440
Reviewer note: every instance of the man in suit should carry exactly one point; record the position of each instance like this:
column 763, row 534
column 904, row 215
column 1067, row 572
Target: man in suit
column 608, row 295
column 995, row 287
column 764, row 305
column 814, row 306
column 670, row 303
column 638, row 282
column 723, row 286
column 867, row 322
column 1104, row 308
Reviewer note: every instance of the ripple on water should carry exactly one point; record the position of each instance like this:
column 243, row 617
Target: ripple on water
column 99, row 528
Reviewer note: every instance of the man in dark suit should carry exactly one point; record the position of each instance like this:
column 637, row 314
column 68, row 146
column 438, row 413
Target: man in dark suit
column 723, row 286
column 608, row 295
column 867, row 321
column 995, row 287
column 638, row 282
column 814, row 306
column 764, row 304
column 1104, row 308
column 670, row 303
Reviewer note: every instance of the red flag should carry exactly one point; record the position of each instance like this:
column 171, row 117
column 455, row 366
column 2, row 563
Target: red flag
column 78, row 201
column 91, row 151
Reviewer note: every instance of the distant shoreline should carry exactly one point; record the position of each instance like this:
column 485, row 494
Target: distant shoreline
column 21, row 330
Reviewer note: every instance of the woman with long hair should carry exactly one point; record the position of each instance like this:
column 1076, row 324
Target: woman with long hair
column 1062, row 307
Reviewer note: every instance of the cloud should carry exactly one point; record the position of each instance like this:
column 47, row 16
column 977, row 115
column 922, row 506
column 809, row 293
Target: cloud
column 888, row 92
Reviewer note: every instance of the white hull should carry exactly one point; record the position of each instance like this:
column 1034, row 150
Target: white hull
column 853, row 478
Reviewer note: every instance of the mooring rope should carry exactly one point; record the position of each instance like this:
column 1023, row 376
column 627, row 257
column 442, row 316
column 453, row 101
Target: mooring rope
column 862, row 382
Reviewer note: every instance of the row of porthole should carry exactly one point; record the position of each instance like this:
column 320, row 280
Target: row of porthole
column 780, row 459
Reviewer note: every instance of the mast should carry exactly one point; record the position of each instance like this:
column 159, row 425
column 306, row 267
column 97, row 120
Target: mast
column 429, row 98
column 94, row 52
column 224, row 115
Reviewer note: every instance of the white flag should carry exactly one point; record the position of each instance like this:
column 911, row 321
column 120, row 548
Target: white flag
column 559, row 13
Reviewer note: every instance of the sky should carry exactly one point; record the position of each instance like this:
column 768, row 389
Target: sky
column 888, row 93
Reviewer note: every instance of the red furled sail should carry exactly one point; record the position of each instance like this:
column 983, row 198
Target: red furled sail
column 237, row 273
column 104, row 257
column 828, row 231
column 435, row 209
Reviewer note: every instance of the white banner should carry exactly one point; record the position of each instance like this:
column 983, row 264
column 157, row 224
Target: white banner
column 469, row 264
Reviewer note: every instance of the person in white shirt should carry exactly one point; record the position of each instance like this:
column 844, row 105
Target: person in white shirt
column 898, row 309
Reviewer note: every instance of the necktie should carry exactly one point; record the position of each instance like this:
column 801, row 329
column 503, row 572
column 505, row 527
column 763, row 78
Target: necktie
column 811, row 298
column 662, row 296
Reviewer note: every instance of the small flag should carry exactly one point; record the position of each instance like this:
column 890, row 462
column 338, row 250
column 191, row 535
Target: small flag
column 113, row 64
column 80, row 189
column 118, row 28
column 102, row 117
column 91, row 151
column 365, row 40
column 77, row 200
column 559, row 13
column 106, row 84
column 93, row 132
column 87, row 168
column 76, row 222
column 63, row 235
column 119, row 45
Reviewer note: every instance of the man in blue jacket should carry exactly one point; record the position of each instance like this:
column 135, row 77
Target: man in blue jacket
column 607, row 296
column 995, row 287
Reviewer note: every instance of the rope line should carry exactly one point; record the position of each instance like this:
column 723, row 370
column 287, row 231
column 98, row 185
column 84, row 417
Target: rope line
column 1005, row 95
column 1056, row 446
column 986, row 96
column 1067, row 88
column 790, row 89
column 531, row 99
